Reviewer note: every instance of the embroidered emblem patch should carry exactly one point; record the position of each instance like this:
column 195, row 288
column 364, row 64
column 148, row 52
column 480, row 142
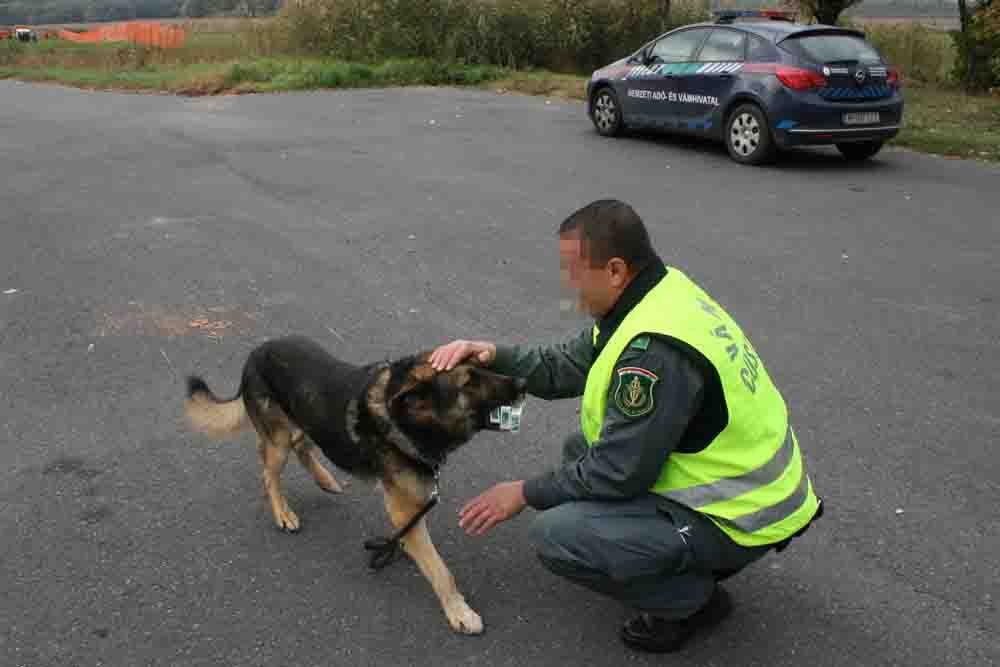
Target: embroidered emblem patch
column 634, row 391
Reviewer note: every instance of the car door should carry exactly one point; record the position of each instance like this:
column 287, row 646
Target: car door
column 653, row 86
column 719, row 61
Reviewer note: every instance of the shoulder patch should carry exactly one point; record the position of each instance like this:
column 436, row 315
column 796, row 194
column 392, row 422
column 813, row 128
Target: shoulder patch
column 640, row 342
column 634, row 391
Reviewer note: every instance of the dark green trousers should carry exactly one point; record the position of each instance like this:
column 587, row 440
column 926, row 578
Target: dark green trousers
column 650, row 553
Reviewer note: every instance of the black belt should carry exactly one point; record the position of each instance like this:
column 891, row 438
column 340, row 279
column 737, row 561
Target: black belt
column 721, row 575
column 782, row 545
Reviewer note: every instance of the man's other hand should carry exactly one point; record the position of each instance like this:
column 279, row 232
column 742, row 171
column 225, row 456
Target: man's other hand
column 486, row 510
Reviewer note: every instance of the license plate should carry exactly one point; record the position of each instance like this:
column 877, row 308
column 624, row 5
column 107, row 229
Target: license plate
column 861, row 118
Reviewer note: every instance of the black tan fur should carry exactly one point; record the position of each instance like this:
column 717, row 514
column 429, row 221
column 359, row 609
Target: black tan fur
column 392, row 422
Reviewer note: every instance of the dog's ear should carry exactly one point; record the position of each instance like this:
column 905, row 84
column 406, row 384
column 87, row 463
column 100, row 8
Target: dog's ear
column 423, row 372
column 418, row 375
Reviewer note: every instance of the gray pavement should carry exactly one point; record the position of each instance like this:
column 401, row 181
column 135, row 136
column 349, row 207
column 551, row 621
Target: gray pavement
column 147, row 236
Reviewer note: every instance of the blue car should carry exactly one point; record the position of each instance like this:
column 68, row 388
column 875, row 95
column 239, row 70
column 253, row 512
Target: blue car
column 759, row 82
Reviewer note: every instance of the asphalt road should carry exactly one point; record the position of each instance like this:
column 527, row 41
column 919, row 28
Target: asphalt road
column 145, row 237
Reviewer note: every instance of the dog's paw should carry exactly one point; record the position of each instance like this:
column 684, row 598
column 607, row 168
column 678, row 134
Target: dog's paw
column 287, row 520
column 463, row 619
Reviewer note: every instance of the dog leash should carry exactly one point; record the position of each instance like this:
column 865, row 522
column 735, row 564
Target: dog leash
column 386, row 549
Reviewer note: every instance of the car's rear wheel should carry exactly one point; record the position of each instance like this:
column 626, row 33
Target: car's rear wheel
column 859, row 150
column 748, row 137
column 606, row 112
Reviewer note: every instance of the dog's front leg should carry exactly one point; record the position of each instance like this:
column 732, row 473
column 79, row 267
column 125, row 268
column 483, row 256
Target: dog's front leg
column 403, row 499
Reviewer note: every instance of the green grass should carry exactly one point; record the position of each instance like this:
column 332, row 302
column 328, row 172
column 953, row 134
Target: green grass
column 948, row 122
column 273, row 74
column 101, row 67
column 194, row 79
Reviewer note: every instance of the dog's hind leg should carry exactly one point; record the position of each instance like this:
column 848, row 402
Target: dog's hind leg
column 274, row 454
column 405, row 495
column 309, row 458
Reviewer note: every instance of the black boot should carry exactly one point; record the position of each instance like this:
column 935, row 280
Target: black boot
column 648, row 632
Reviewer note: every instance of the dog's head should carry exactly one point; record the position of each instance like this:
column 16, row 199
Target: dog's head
column 441, row 410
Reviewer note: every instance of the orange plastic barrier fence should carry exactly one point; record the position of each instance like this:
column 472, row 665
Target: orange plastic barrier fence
column 140, row 32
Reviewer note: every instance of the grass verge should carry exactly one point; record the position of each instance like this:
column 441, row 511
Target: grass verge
column 257, row 75
column 947, row 122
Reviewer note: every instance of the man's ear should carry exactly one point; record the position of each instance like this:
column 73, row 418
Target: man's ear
column 618, row 271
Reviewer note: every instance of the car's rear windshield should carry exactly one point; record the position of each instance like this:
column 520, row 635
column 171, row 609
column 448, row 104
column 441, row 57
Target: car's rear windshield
column 831, row 48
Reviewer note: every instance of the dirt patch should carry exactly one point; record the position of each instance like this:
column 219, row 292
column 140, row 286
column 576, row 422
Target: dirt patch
column 171, row 321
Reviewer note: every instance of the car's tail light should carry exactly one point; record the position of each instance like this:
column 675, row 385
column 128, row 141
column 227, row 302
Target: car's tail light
column 798, row 78
column 893, row 78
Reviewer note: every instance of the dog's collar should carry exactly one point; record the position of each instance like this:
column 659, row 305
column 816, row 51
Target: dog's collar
column 405, row 445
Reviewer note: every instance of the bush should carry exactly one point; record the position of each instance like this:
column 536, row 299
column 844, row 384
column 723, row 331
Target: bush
column 977, row 66
column 562, row 35
column 922, row 54
column 134, row 56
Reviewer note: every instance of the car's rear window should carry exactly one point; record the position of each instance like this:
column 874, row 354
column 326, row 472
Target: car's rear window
column 831, row 48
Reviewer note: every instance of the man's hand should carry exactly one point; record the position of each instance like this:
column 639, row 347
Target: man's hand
column 488, row 509
column 448, row 356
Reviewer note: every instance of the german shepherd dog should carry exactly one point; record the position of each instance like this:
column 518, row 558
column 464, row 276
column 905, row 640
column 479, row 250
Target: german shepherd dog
column 392, row 423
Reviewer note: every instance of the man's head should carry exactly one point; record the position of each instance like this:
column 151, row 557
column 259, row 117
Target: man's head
column 602, row 247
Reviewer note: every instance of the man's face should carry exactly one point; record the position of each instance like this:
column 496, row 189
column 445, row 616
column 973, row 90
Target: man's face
column 596, row 285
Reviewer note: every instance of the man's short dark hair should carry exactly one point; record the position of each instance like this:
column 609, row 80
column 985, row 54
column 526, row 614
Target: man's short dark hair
column 611, row 228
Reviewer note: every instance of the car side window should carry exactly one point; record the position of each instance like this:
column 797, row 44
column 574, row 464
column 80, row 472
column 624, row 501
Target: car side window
column 678, row 47
column 759, row 50
column 723, row 45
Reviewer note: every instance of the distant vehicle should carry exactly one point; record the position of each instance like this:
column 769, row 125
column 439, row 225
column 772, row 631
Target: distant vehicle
column 25, row 34
column 760, row 85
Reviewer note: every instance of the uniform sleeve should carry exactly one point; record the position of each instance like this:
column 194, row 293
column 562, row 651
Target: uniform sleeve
column 557, row 371
column 636, row 438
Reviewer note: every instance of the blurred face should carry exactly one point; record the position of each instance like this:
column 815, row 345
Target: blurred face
column 595, row 285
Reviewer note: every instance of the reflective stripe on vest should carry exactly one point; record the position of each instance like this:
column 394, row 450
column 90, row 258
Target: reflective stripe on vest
column 728, row 488
column 751, row 523
column 750, row 479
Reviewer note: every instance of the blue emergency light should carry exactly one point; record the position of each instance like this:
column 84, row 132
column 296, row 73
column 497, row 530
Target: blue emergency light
column 730, row 15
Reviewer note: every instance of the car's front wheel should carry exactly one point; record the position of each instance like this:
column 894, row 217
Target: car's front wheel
column 748, row 138
column 859, row 150
column 606, row 112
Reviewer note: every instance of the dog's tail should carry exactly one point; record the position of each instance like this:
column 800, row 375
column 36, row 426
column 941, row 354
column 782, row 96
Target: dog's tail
column 209, row 414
